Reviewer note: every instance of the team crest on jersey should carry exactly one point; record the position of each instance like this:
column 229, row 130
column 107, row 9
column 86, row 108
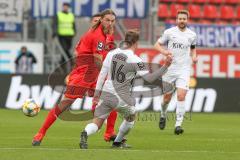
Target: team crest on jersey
column 100, row 46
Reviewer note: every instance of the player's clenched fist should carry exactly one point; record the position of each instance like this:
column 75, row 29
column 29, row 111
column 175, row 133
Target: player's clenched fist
column 168, row 60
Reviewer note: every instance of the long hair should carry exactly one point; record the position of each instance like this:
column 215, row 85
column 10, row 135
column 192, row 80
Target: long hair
column 102, row 14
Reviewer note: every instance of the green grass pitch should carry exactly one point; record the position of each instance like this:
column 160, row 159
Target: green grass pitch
column 214, row 136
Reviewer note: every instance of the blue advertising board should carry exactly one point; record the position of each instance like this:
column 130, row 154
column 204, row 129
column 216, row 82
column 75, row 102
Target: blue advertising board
column 225, row 36
column 86, row 8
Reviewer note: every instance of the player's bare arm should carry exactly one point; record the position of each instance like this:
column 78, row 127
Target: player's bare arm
column 193, row 53
column 151, row 77
column 159, row 47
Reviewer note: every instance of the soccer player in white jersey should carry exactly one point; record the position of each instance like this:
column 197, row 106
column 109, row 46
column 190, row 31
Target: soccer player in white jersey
column 181, row 46
column 113, row 90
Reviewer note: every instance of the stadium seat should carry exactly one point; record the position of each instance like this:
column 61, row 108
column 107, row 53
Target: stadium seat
column 172, row 21
column 210, row 12
column 231, row 1
column 174, row 9
column 167, row 1
column 163, row 11
column 220, row 22
column 206, row 22
column 200, row 1
column 236, row 22
column 238, row 12
column 216, row 1
column 227, row 12
column 195, row 11
column 183, row 1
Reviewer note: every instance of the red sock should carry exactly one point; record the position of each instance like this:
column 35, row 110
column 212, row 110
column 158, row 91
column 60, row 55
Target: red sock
column 111, row 123
column 50, row 119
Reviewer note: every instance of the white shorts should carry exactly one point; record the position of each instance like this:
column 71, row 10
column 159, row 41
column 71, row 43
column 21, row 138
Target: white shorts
column 181, row 78
column 110, row 102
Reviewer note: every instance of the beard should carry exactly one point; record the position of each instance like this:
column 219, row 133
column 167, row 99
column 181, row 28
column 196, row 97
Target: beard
column 105, row 30
column 182, row 25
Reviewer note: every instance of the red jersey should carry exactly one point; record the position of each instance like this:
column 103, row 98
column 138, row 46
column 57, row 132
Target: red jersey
column 84, row 75
column 94, row 42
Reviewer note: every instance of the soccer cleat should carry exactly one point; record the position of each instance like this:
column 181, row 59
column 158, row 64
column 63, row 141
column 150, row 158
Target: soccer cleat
column 37, row 139
column 108, row 138
column 120, row 145
column 178, row 130
column 83, row 141
column 162, row 123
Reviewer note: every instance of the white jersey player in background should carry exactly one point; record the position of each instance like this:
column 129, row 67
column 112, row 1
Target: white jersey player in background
column 114, row 85
column 181, row 46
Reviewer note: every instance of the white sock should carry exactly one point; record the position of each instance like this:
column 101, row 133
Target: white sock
column 123, row 130
column 180, row 111
column 164, row 110
column 91, row 128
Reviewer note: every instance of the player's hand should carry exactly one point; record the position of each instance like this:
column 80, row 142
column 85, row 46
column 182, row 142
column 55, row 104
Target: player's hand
column 168, row 53
column 95, row 100
column 168, row 60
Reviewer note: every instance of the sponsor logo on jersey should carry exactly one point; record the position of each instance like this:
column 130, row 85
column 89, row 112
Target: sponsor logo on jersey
column 100, row 46
column 179, row 46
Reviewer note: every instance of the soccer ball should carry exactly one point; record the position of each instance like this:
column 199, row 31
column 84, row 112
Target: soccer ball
column 30, row 108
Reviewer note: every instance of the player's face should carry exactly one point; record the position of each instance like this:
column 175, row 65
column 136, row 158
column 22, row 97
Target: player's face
column 182, row 20
column 108, row 21
column 94, row 20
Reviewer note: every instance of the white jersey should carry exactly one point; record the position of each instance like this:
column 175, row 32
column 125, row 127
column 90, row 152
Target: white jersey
column 119, row 68
column 179, row 43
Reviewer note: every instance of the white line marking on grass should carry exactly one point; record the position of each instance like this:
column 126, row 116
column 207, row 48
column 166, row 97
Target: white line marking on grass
column 120, row 150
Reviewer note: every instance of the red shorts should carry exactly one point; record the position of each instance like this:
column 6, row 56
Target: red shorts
column 81, row 82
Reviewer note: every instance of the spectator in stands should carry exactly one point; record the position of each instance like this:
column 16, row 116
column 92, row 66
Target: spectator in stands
column 64, row 28
column 24, row 61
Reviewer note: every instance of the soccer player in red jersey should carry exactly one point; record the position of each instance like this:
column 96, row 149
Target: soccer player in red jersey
column 90, row 52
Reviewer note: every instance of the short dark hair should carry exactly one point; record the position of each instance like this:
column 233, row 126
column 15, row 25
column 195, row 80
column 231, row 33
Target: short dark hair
column 96, row 15
column 131, row 37
column 183, row 12
column 66, row 4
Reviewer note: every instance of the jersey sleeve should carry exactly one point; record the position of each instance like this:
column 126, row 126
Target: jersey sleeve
column 164, row 38
column 194, row 41
column 139, row 66
column 103, row 73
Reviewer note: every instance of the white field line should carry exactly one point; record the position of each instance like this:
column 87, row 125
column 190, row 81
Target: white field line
column 120, row 150
column 172, row 139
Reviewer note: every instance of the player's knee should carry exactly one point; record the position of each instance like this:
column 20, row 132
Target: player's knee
column 167, row 98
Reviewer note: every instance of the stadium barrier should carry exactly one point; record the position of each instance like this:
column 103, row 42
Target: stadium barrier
column 205, row 95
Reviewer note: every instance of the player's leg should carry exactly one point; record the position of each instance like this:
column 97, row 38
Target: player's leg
column 101, row 113
column 128, row 123
column 163, row 116
column 51, row 118
column 166, row 99
column 124, row 129
column 182, row 85
column 180, row 110
column 90, row 129
column 109, row 134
